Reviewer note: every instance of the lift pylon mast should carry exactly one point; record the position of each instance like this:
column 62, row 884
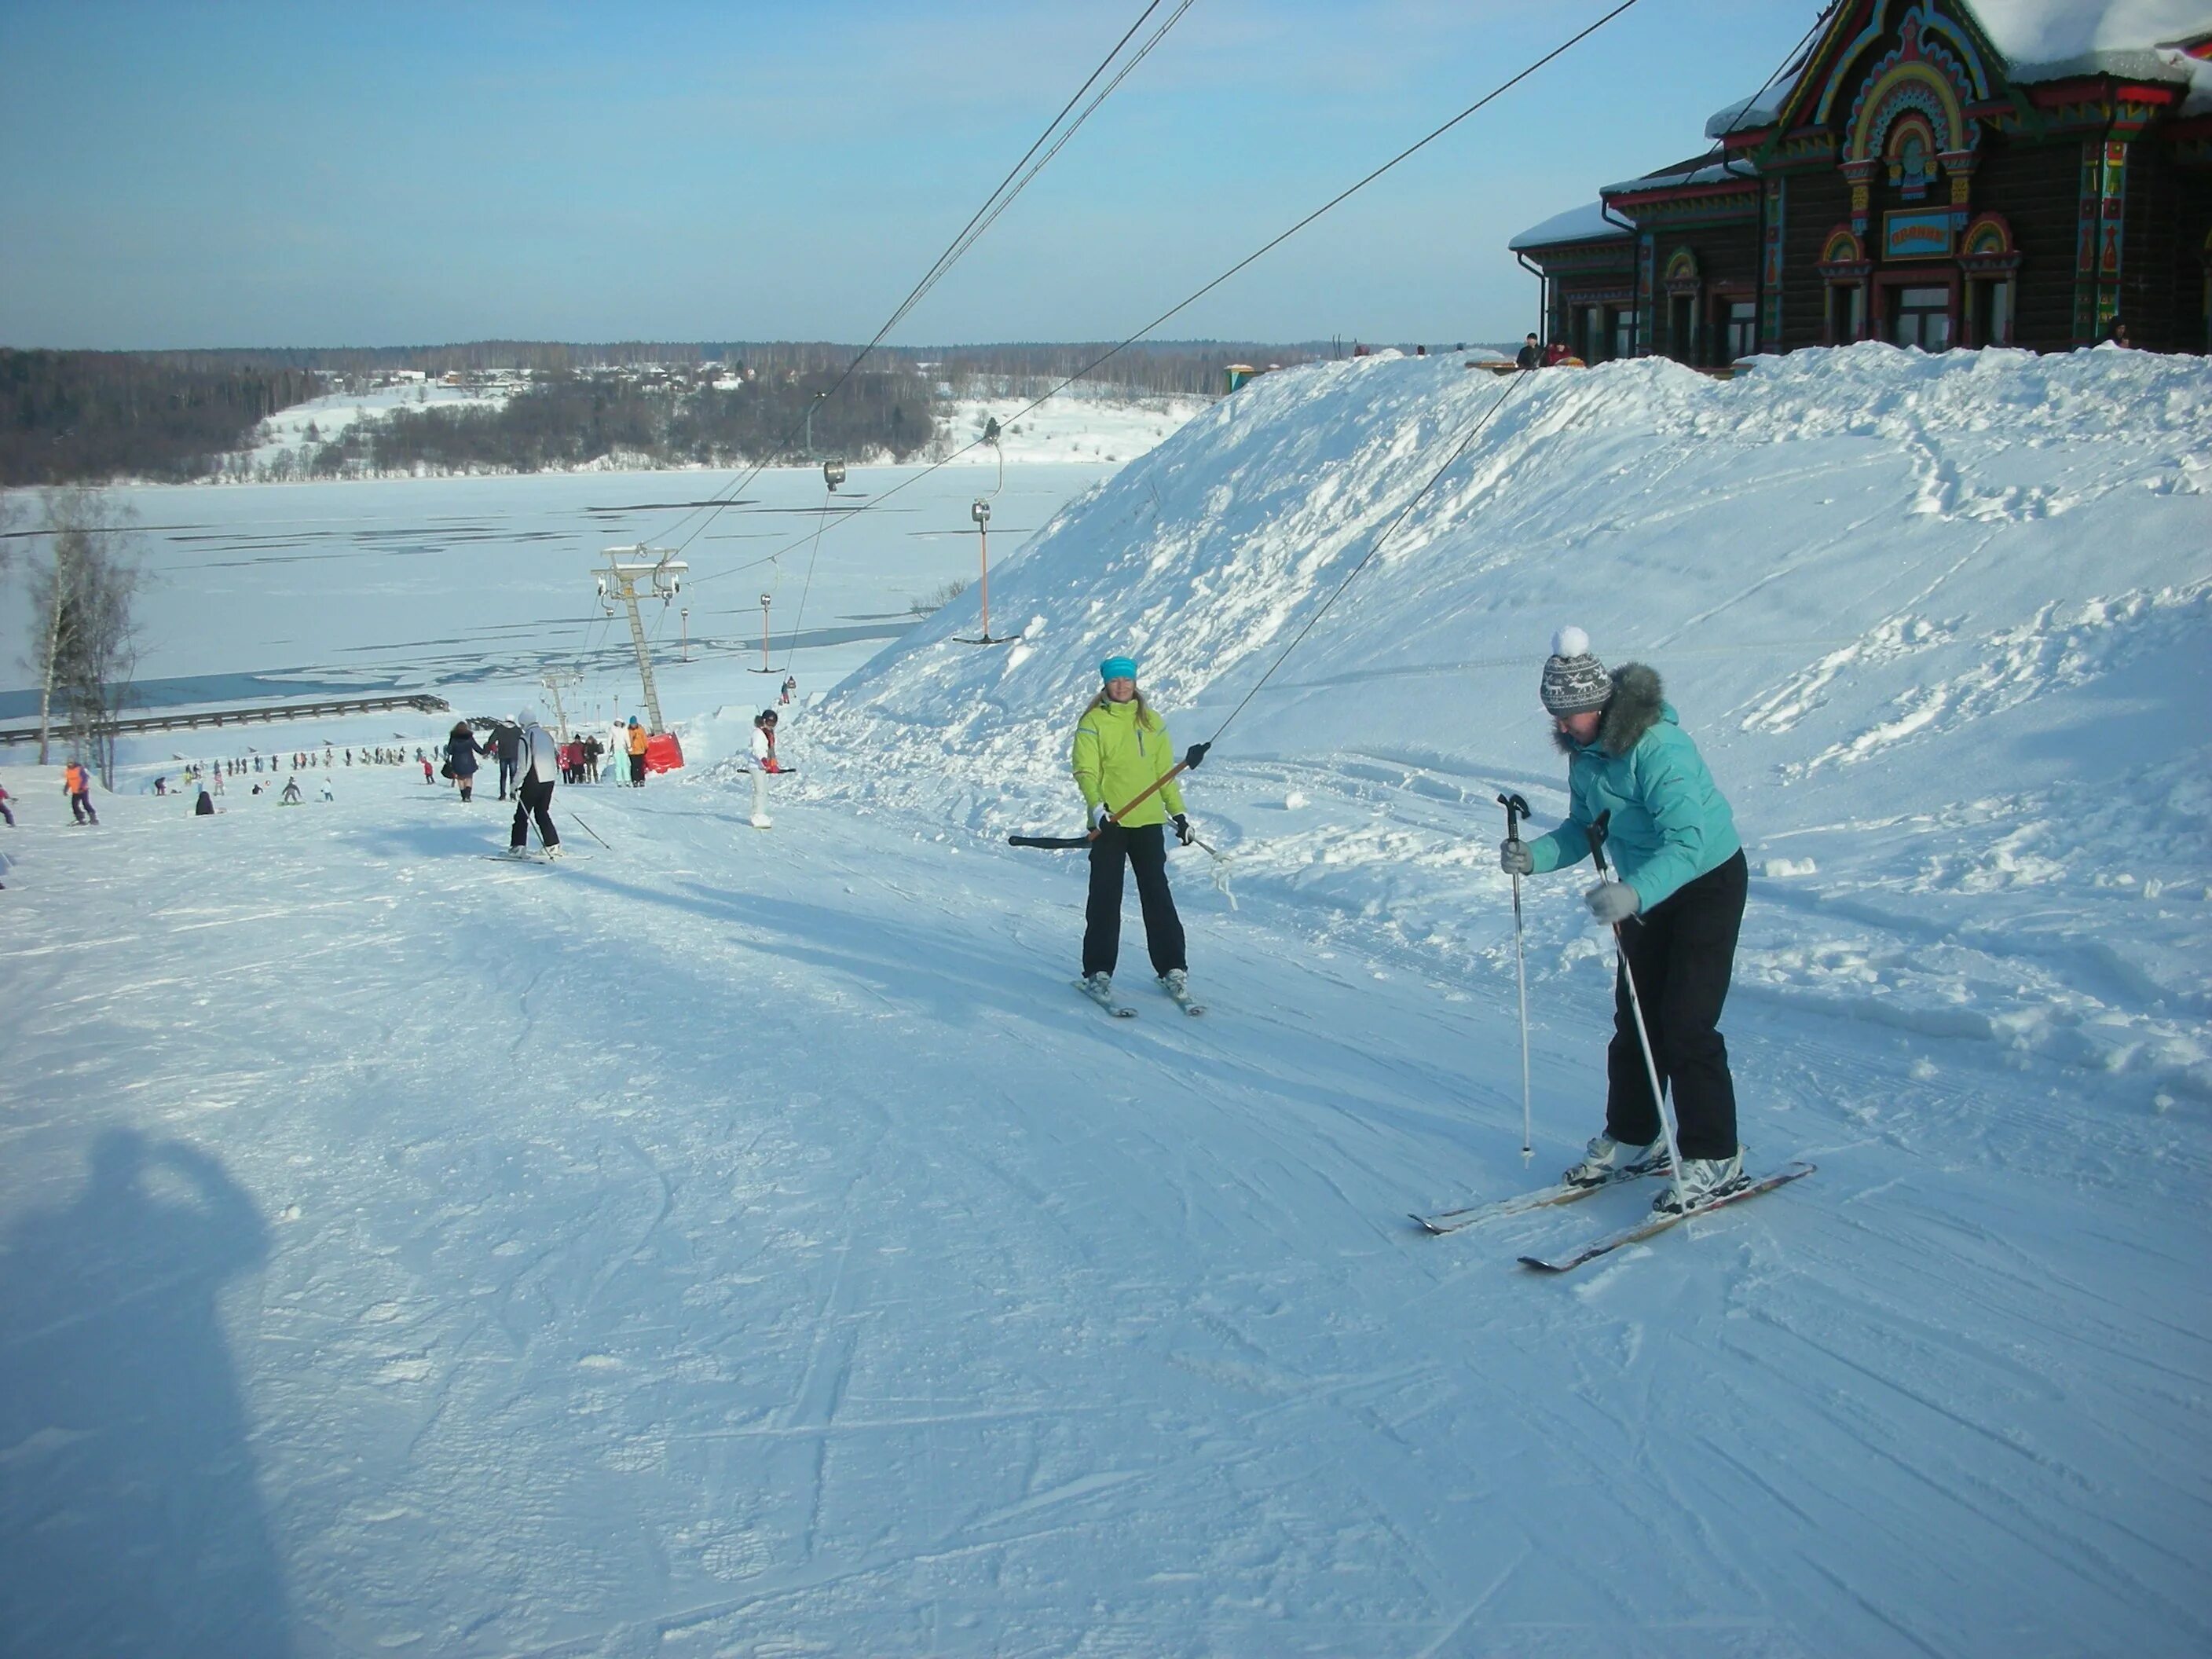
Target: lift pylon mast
column 662, row 572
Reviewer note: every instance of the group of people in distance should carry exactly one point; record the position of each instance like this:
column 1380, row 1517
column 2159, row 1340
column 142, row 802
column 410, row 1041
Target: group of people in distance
column 1638, row 789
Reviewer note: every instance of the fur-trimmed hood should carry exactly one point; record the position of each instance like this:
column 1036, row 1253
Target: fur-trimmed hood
column 1638, row 704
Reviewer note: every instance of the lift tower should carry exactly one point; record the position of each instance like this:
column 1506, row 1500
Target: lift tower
column 664, row 572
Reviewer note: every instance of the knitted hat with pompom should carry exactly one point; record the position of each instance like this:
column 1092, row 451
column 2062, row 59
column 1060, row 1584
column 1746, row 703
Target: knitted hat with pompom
column 1574, row 681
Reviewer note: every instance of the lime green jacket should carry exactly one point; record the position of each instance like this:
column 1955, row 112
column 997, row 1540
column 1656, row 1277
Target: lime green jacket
column 1116, row 760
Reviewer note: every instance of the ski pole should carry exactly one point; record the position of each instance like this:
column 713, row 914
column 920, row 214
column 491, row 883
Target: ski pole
column 1189, row 762
column 1517, row 808
column 588, row 830
column 1597, row 835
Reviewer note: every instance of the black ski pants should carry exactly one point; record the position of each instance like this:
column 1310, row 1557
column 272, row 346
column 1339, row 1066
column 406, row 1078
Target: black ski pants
column 506, row 776
column 534, row 797
column 1145, row 849
column 637, row 770
column 80, row 807
column 1682, row 951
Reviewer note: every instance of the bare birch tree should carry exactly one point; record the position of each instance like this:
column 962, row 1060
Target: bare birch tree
column 82, row 605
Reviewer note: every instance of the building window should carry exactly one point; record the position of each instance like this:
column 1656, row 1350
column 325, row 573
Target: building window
column 1681, row 327
column 1590, row 338
column 1846, row 312
column 1623, row 331
column 1989, row 311
column 1742, row 328
column 1922, row 317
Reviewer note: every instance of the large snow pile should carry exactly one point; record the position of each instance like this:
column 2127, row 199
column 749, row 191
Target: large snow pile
column 1938, row 623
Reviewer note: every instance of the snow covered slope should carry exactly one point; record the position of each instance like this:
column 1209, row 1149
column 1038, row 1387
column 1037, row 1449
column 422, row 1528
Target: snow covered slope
column 732, row 1243
column 1938, row 622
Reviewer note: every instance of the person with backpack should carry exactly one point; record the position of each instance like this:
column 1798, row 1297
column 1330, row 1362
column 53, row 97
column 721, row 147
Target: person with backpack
column 1121, row 751
column 537, row 766
column 1674, row 897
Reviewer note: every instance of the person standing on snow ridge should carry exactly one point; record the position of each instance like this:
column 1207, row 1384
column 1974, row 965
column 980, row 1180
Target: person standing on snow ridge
column 1675, row 898
column 6, row 811
column 506, row 745
column 635, row 740
column 764, row 725
column 1532, row 354
column 463, row 751
column 537, row 766
column 1121, row 749
column 77, row 784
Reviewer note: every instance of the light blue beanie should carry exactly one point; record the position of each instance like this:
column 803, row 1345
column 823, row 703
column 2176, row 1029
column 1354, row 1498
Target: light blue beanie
column 1118, row 668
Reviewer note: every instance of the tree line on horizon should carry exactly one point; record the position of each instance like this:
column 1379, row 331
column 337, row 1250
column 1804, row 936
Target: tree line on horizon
column 80, row 417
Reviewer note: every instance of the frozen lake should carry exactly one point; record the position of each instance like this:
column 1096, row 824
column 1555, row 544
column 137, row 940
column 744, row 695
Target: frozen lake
column 443, row 584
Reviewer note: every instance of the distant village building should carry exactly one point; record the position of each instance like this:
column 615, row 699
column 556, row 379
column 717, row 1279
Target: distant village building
column 1931, row 172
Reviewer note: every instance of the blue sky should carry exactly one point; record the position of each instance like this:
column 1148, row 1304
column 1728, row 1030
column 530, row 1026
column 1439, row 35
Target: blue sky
column 203, row 174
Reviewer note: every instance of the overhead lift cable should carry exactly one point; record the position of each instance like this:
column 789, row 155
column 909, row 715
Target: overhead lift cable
column 996, row 203
column 1266, row 248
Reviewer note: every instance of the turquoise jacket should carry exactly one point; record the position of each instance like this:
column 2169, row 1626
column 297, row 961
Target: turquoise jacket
column 1670, row 824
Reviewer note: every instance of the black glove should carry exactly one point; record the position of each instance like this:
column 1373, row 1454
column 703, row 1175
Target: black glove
column 1182, row 830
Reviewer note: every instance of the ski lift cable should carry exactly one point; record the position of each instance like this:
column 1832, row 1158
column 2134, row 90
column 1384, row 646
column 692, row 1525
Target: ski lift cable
column 792, row 654
column 1104, row 357
column 1388, row 530
column 960, row 243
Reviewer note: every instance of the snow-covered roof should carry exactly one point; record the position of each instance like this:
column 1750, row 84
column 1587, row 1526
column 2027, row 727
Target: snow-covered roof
column 1754, row 111
column 1698, row 170
column 2048, row 41
column 2041, row 39
column 1582, row 224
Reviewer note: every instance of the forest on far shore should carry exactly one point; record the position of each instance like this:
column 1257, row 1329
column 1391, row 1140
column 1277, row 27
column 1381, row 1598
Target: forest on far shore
column 94, row 417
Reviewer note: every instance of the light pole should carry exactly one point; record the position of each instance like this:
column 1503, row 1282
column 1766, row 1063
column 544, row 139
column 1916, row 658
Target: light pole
column 686, row 614
column 766, row 599
column 982, row 513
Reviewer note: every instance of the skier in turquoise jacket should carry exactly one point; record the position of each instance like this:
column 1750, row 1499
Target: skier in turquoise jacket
column 1675, row 898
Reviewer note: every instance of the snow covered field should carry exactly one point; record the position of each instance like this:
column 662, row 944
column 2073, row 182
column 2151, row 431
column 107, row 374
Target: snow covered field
column 733, row 1243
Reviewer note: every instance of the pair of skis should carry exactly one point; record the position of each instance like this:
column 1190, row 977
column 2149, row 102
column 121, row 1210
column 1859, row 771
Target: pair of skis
column 1451, row 1221
column 1122, row 1011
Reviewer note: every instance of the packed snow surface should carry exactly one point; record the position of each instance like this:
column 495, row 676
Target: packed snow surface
column 735, row 1241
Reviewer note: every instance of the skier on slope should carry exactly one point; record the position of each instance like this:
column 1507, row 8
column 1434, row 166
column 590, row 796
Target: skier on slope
column 506, row 745
column 764, row 725
column 1121, row 749
column 1676, row 898
column 77, row 784
column 536, row 767
column 463, row 751
column 635, row 742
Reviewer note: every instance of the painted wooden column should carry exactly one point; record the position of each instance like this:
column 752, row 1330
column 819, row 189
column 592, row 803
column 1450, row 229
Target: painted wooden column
column 1777, row 197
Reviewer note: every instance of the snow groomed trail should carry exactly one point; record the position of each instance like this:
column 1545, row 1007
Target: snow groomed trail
column 745, row 1244
column 734, row 1243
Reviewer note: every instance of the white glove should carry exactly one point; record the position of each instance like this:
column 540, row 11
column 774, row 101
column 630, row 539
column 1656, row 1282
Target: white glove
column 1514, row 859
column 1098, row 816
column 1612, row 901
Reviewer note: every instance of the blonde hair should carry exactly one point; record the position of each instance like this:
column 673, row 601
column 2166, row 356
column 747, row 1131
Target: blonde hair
column 1144, row 715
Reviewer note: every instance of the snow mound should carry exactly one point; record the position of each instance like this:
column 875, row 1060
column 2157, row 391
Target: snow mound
column 1936, row 622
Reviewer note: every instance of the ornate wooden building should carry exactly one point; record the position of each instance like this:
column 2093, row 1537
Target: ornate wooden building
column 1931, row 172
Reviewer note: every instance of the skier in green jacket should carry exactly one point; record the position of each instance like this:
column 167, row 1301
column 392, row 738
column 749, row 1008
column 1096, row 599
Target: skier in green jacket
column 1675, row 897
column 1121, row 749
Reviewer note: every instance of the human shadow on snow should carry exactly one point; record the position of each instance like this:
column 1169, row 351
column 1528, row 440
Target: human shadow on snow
column 130, row 1519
